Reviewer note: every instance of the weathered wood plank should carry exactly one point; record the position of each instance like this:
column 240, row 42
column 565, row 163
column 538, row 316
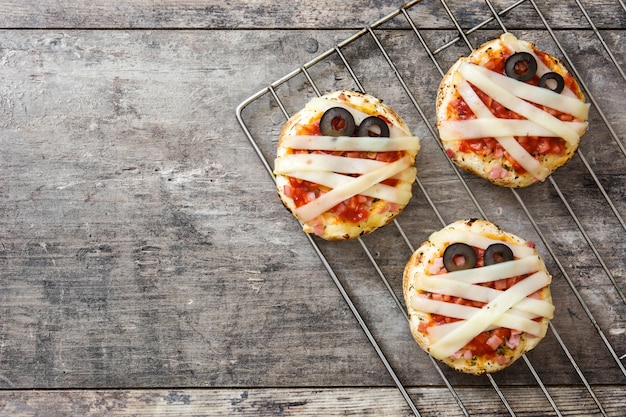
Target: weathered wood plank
column 322, row 14
column 135, row 253
column 525, row 401
column 134, row 249
column 142, row 244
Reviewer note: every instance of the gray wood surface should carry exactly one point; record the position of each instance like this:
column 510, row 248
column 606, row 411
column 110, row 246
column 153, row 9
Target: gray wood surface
column 148, row 267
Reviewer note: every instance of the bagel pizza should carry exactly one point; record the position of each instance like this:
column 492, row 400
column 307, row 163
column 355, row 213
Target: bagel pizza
column 477, row 297
column 510, row 113
column 345, row 165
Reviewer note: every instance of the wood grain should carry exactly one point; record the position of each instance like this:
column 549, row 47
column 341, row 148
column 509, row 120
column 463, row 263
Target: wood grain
column 299, row 14
column 298, row 402
column 148, row 267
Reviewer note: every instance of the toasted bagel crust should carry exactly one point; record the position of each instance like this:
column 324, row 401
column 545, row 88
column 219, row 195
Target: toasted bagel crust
column 419, row 266
column 483, row 165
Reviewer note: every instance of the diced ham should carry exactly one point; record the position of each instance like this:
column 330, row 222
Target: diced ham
column 500, row 284
column 318, row 229
column 288, row 190
column 497, row 172
column 494, row 342
column 513, row 340
column 456, row 355
column 340, row 208
column 436, row 267
column 468, row 354
column 503, row 360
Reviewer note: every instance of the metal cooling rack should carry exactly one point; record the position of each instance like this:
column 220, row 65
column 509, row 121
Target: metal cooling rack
column 338, row 67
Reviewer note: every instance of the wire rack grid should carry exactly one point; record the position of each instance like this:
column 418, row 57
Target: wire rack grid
column 576, row 217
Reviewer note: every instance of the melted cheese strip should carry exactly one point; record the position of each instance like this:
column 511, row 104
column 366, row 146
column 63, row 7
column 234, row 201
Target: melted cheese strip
column 322, row 104
column 444, row 237
column 532, row 327
column 511, row 319
column 440, row 284
column 450, row 130
column 486, row 316
column 384, row 192
column 320, row 162
column 330, row 199
column 509, row 143
column 345, row 143
column 487, row 81
column 535, row 94
column 497, row 271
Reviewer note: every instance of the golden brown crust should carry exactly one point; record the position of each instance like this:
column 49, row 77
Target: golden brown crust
column 328, row 225
column 483, row 165
column 419, row 265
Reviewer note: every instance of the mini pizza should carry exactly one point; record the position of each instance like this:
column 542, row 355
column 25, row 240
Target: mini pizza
column 510, row 113
column 345, row 165
column 478, row 298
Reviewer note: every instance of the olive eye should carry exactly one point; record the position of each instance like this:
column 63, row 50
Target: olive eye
column 521, row 66
column 373, row 126
column 459, row 256
column 496, row 253
column 552, row 78
column 337, row 121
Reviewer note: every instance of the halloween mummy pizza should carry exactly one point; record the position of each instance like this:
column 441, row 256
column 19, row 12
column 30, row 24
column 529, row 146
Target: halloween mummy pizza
column 345, row 165
column 478, row 297
column 510, row 113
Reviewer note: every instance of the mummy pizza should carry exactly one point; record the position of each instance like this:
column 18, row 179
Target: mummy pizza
column 345, row 165
column 510, row 113
column 478, row 298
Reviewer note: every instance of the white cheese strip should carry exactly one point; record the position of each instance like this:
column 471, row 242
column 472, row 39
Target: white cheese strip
column 493, row 127
column 322, row 104
column 330, row 199
column 488, row 315
column 408, row 175
column 535, row 94
column 475, row 75
column 437, row 332
column 439, row 284
column 384, row 192
column 322, row 162
column 508, row 319
column 345, row 143
column 330, row 178
column 497, row 271
column 520, row 46
column 509, row 143
column 444, row 237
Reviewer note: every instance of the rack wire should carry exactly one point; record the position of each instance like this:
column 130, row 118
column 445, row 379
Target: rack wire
column 431, row 51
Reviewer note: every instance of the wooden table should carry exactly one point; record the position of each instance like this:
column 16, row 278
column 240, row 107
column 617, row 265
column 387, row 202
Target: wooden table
column 149, row 268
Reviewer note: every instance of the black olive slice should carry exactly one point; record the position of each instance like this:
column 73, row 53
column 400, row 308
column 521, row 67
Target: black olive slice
column 521, row 65
column 373, row 126
column 496, row 253
column 337, row 121
column 459, row 250
column 560, row 83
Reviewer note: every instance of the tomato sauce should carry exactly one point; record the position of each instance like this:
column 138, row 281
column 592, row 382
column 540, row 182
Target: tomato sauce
column 356, row 208
column 534, row 145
